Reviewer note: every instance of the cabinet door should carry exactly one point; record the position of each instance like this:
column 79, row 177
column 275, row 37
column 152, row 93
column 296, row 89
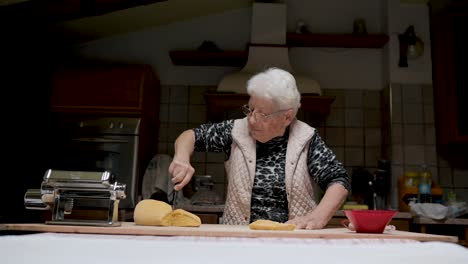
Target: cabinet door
column 450, row 56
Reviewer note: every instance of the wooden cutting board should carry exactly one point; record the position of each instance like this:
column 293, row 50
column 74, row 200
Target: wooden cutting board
column 212, row 230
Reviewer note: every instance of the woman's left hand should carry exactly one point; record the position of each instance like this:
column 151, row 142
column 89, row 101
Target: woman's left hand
column 309, row 221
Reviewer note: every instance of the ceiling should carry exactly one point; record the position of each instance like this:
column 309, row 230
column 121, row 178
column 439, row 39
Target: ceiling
column 85, row 20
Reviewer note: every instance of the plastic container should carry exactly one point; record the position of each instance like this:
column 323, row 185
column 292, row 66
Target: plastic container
column 425, row 186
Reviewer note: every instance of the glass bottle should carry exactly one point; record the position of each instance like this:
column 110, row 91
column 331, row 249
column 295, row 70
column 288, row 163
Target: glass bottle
column 425, row 186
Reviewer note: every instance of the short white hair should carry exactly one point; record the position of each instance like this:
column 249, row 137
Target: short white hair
column 277, row 85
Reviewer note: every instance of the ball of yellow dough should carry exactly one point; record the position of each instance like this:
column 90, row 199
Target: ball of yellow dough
column 151, row 212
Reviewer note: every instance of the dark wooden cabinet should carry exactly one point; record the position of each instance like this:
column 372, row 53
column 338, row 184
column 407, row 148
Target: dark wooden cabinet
column 449, row 43
column 89, row 90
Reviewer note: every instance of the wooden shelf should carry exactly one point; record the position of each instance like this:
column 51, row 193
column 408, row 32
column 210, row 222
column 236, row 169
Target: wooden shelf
column 219, row 103
column 371, row 41
column 239, row 58
column 205, row 58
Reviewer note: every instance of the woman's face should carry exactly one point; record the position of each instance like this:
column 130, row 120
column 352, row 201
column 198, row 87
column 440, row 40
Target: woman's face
column 266, row 121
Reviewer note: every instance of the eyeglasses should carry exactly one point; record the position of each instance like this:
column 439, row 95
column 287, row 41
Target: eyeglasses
column 259, row 116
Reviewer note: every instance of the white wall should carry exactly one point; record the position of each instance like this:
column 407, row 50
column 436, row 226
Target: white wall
column 332, row 68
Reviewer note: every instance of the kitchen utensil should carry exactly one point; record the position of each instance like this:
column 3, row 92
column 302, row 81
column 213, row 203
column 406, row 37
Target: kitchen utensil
column 174, row 199
column 368, row 221
column 67, row 192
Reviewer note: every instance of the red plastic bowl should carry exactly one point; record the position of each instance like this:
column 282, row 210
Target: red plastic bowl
column 370, row 221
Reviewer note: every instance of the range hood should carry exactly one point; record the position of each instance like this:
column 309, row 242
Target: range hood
column 267, row 49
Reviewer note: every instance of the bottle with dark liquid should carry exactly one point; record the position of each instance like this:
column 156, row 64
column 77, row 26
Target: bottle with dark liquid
column 425, row 186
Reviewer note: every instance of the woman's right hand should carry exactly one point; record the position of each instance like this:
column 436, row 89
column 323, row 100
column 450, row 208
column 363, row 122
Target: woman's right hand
column 181, row 172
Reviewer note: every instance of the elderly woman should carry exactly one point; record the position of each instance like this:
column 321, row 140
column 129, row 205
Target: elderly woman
column 275, row 164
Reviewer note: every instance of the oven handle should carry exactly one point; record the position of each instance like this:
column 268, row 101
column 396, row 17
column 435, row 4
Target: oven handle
column 100, row 140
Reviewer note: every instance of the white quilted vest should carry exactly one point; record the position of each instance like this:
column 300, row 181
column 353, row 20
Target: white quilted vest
column 240, row 169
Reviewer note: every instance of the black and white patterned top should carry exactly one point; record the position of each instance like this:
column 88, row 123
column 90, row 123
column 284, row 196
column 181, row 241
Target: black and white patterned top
column 269, row 199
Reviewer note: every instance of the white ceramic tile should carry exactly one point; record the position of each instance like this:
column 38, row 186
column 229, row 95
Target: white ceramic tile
column 460, row 178
column 413, row 114
column 339, row 97
column 174, row 131
column 178, row 95
column 396, row 115
column 372, row 99
column 373, row 137
column 354, row 136
column 178, row 113
column 413, row 155
column 445, row 177
column 428, row 114
column 339, row 153
column 397, row 154
column 413, row 135
column 335, row 136
column 354, row 118
column 397, row 137
column 372, row 155
column 396, row 93
column 164, row 94
column 372, row 118
column 336, row 118
column 197, row 95
column 430, row 155
column 354, row 157
column 353, row 98
column 197, row 114
column 428, row 94
column 411, row 93
column 430, row 135
column 164, row 113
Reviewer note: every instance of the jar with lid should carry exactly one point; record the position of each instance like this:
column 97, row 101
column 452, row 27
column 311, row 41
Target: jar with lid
column 425, row 186
column 411, row 179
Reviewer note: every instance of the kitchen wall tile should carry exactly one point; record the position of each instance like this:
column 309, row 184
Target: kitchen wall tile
column 397, row 138
column 372, row 155
column 434, row 173
column 354, row 156
column 462, row 194
column 339, row 95
column 372, row 118
column 445, row 177
column 174, row 130
column 178, row 113
column 197, row 95
column 428, row 94
column 354, row 118
column 428, row 114
column 197, row 114
column 321, row 132
column 396, row 115
column 354, row 98
column 460, row 178
column 430, row 155
column 163, row 132
column 442, row 161
column 178, row 95
column 413, row 154
column 335, row 136
column 413, row 114
column 170, row 149
column 164, row 113
column 164, row 94
column 396, row 93
column 354, row 136
column 411, row 93
column 336, row 118
column 339, row 153
column 430, row 135
column 373, row 137
column 413, row 135
column 372, row 99
column 397, row 154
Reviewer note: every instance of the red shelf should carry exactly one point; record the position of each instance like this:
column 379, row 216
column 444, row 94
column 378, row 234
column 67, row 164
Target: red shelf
column 373, row 41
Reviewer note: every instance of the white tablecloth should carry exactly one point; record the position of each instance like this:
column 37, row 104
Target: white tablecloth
column 54, row 248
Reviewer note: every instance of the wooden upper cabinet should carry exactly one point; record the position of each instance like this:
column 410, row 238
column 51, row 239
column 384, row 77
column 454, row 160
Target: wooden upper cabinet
column 125, row 89
column 449, row 43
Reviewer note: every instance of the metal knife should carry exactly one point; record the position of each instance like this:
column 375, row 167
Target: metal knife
column 174, row 199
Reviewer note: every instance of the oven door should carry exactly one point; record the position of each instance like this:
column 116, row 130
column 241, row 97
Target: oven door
column 115, row 153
